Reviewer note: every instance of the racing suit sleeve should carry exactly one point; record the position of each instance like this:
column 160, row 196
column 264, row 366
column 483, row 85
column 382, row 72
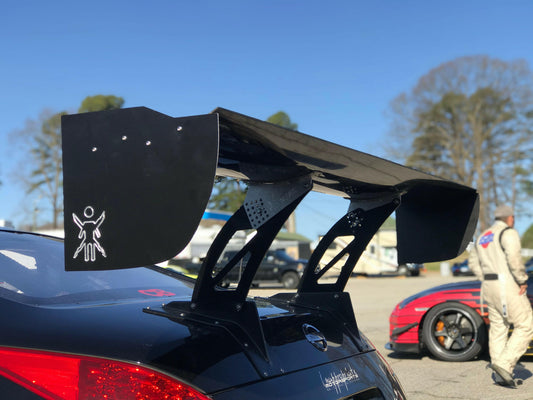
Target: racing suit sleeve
column 473, row 263
column 511, row 246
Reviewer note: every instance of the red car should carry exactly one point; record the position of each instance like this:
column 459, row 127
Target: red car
column 448, row 321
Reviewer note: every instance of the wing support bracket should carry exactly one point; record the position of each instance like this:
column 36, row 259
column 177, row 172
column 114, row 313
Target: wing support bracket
column 361, row 223
column 240, row 321
column 266, row 208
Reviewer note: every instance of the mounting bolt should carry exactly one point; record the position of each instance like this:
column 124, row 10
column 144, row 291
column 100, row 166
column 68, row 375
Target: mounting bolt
column 179, row 128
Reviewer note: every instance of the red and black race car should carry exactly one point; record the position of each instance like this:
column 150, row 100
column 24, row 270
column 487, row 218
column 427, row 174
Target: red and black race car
column 449, row 321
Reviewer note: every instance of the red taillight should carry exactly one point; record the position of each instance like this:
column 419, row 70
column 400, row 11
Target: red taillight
column 56, row 376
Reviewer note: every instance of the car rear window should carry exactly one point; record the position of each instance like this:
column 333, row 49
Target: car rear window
column 32, row 267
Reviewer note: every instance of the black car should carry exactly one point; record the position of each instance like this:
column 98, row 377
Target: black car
column 410, row 269
column 93, row 317
column 121, row 334
column 276, row 266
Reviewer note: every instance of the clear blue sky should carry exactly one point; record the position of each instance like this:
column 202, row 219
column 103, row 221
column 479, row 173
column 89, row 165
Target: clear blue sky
column 333, row 66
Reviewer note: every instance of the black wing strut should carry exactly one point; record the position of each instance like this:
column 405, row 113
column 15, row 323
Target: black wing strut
column 265, row 209
column 360, row 224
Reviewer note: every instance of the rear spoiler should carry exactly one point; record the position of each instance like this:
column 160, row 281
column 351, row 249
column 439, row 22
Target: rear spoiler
column 136, row 183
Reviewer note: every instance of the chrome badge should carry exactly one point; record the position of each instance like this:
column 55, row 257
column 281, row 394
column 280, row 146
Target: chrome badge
column 315, row 337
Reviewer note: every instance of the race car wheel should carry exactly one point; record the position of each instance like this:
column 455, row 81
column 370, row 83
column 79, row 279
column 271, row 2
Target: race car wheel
column 290, row 280
column 454, row 332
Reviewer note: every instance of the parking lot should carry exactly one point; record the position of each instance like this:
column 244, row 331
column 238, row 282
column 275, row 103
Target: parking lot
column 422, row 377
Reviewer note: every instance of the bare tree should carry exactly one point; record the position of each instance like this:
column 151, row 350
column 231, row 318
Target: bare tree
column 41, row 172
column 468, row 120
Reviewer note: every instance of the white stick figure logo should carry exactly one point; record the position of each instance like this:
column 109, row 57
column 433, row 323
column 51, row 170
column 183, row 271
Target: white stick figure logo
column 89, row 234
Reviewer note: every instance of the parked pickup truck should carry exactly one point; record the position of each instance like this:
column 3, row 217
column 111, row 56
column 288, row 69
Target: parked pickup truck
column 277, row 266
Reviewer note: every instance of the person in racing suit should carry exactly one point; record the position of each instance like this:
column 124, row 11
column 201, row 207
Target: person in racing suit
column 497, row 261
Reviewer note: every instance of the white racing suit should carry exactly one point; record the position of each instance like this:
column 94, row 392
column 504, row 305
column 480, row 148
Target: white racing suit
column 496, row 260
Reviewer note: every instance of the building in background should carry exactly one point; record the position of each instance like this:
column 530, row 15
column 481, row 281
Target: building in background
column 296, row 245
